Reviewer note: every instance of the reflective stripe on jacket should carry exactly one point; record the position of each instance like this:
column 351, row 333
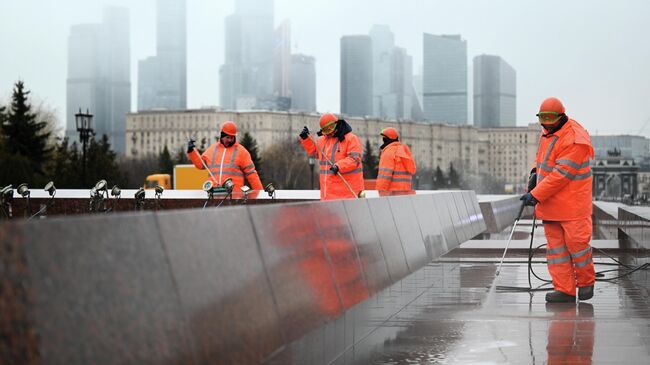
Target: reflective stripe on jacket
column 564, row 174
column 347, row 156
column 396, row 168
column 233, row 162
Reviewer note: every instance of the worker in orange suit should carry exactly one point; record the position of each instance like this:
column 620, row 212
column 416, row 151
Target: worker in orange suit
column 227, row 159
column 396, row 164
column 562, row 199
column 339, row 152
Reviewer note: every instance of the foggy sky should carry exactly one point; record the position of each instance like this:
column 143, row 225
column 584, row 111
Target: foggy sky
column 593, row 54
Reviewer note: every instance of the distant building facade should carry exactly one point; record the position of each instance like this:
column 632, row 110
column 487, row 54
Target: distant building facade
column 634, row 147
column 99, row 76
column 356, row 75
column 303, row 83
column 506, row 154
column 444, row 83
column 614, row 176
column 162, row 79
column 495, row 93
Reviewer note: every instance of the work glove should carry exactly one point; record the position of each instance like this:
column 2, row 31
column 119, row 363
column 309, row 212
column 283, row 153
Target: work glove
column 190, row 146
column 305, row 133
column 529, row 200
column 532, row 180
column 334, row 169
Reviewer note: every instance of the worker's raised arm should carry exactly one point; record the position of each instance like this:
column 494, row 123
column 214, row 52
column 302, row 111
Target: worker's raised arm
column 308, row 143
column 193, row 155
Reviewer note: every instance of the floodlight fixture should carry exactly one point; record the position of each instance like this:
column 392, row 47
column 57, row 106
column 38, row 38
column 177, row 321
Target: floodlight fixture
column 23, row 190
column 50, row 188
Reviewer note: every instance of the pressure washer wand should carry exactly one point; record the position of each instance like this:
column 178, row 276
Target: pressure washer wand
column 514, row 226
column 332, row 164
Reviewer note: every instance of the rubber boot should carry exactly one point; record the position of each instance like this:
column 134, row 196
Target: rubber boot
column 585, row 292
column 559, row 297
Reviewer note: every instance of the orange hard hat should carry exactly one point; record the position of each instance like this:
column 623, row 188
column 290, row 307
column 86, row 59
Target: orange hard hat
column 553, row 105
column 229, row 128
column 327, row 118
column 390, row 133
column 328, row 123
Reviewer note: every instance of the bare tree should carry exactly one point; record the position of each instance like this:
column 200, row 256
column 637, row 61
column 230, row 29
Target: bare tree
column 286, row 165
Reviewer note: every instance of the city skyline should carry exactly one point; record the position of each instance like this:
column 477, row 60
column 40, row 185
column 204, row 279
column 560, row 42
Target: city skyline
column 599, row 47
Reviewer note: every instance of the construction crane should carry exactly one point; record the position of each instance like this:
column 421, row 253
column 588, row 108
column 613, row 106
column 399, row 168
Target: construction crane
column 644, row 127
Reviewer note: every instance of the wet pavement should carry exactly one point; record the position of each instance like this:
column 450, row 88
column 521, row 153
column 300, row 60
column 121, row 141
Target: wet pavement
column 456, row 318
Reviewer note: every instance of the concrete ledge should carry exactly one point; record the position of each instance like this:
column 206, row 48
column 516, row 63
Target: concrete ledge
column 226, row 285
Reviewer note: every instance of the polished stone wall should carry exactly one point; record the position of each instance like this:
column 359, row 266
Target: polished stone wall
column 244, row 285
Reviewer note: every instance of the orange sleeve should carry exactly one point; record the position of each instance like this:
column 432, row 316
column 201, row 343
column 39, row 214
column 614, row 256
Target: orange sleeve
column 309, row 146
column 567, row 167
column 196, row 160
column 353, row 159
column 386, row 169
column 247, row 167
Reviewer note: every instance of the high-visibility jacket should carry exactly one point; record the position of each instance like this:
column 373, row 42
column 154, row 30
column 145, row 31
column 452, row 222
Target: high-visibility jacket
column 396, row 168
column 564, row 174
column 232, row 162
column 346, row 154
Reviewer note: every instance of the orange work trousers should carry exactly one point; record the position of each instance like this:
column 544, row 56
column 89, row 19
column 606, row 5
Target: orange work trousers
column 569, row 255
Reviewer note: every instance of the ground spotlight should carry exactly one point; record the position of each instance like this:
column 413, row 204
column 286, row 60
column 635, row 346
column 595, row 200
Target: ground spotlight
column 50, row 188
column 228, row 185
column 270, row 189
column 101, row 186
column 6, row 197
column 139, row 199
column 245, row 189
column 23, row 190
column 116, row 192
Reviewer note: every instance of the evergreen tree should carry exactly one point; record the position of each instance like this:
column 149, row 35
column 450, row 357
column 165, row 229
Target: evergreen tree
column 102, row 163
column 180, row 158
column 370, row 162
column 66, row 166
column 165, row 163
column 454, row 178
column 439, row 181
column 251, row 145
column 24, row 135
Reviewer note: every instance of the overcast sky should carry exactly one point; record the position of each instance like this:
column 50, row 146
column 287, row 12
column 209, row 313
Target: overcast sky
column 593, row 54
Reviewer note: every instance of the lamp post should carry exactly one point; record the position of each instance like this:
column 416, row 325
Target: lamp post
column 84, row 127
column 312, row 162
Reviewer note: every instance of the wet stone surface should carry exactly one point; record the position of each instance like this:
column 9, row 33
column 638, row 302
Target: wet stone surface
column 456, row 319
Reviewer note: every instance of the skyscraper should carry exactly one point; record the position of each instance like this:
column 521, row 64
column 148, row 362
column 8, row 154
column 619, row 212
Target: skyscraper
column 303, row 83
column 392, row 76
column 495, row 92
column 99, row 76
column 247, row 74
column 162, row 79
column 282, row 60
column 356, row 75
column 444, row 84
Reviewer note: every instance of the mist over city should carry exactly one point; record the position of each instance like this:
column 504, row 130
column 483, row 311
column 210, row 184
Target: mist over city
column 349, row 182
column 592, row 53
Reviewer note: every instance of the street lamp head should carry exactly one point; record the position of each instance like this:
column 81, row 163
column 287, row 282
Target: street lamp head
column 83, row 121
